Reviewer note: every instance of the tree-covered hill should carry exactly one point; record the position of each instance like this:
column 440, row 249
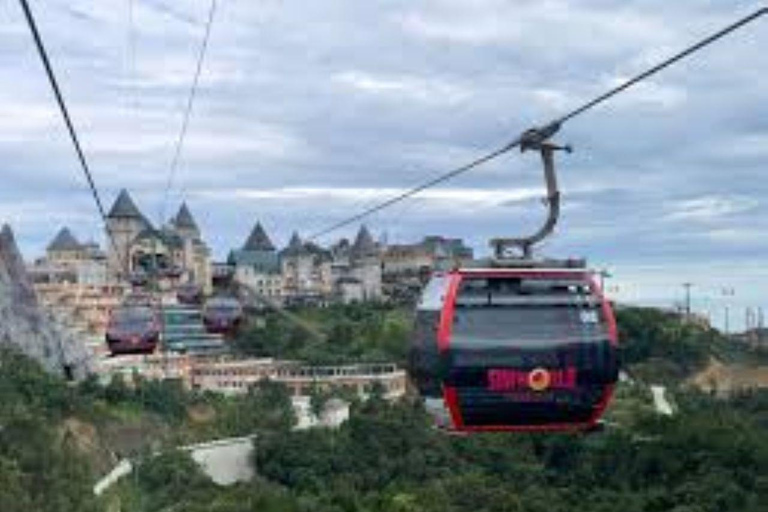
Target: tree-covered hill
column 711, row 457
column 57, row 439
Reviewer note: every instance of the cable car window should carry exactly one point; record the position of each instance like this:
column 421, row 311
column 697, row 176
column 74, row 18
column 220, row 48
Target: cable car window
column 434, row 293
column 526, row 313
column 132, row 316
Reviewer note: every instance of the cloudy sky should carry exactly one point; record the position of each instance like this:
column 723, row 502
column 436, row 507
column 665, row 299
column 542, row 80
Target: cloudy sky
column 309, row 111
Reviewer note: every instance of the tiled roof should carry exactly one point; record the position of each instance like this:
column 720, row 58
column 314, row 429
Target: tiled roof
column 259, row 241
column 64, row 241
column 124, row 207
column 184, row 218
column 364, row 244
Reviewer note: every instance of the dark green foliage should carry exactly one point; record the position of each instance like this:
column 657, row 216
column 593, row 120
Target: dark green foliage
column 659, row 346
column 172, row 479
column 672, row 348
column 388, row 458
column 711, row 457
column 353, row 333
column 39, row 468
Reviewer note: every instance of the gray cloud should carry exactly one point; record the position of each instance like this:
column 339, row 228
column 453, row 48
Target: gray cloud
column 337, row 97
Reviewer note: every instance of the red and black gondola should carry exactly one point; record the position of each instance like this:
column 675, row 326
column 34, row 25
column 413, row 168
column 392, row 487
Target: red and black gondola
column 134, row 328
column 189, row 293
column 222, row 315
column 515, row 349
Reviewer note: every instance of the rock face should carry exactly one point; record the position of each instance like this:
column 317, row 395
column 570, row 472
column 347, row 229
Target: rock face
column 24, row 324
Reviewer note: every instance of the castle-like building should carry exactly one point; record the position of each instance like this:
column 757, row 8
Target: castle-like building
column 69, row 261
column 301, row 273
column 176, row 250
column 305, row 273
column 257, row 265
column 356, row 268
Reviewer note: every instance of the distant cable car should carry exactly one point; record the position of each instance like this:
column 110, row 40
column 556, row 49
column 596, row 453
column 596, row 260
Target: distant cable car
column 189, row 293
column 222, row 315
column 134, row 328
column 515, row 349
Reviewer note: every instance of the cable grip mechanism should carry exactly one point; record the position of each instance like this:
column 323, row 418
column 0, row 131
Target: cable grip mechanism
column 521, row 249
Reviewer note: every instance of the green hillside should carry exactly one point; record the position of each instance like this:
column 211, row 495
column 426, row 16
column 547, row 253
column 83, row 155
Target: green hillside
column 56, row 440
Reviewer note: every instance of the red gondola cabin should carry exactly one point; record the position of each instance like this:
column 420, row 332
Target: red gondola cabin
column 222, row 315
column 134, row 328
column 515, row 349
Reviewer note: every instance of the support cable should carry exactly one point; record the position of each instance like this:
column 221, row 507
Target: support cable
column 68, row 121
column 547, row 130
column 188, row 109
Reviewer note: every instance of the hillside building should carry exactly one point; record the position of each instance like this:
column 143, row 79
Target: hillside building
column 67, row 261
column 306, row 271
column 176, row 250
column 356, row 269
column 407, row 267
column 257, row 265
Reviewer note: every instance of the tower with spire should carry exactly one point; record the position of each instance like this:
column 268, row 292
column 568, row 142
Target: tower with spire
column 257, row 266
column 306, row 272
column 124, row 223
column 175, row 250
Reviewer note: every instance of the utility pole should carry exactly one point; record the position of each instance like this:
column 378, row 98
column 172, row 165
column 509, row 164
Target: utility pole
column 604, row 274
column 726, row 292
column 687, row 287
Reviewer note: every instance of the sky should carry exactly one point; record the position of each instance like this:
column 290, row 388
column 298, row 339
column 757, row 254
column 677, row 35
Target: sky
column 310, row 111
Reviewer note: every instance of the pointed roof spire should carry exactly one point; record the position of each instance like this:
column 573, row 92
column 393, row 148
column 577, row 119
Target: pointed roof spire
column 124, row 207
column 64, row 241
column 184, row 218
column 258, row 240
column 295, row 242
column 295, row 246
column 364, row 244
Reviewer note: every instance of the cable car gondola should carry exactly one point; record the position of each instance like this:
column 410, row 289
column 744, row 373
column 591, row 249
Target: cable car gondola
column 134, row 328
column 222, row 315
column 515, row 349
column 189, row 294
column 520, row 344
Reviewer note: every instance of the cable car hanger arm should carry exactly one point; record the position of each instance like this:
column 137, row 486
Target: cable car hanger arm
column 536, row 140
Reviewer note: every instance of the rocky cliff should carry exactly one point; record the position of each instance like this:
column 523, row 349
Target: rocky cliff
column 24, row 324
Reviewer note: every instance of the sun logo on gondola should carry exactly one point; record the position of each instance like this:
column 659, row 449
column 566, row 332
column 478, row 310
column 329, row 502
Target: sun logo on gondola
column 539, row 379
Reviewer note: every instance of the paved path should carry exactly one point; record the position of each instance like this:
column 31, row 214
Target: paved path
column 226, row 461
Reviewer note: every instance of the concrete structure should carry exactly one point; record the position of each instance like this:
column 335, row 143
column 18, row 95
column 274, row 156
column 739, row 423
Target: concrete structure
column 306, row 272
column 227, row 461
column 407, row 267
column 660, row 402
column 237, row 376
column 257, row 265
column 82, row 309
column 335, row 412
column 156, row 366
column 432, row 253
column 177, row 249
column 67, row 261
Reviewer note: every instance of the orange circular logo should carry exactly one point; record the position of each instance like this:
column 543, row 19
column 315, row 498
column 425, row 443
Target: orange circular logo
column 539, row 379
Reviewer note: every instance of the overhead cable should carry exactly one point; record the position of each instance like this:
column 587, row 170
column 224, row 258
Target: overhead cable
column 547, row 129
column 65, row 114
column 188, row 109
